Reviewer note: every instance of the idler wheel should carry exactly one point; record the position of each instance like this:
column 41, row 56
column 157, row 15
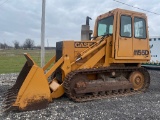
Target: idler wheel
column 137, row 79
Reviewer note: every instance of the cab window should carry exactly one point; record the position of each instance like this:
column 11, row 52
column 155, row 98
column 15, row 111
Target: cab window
column 105, row 26
column 139, row 28
column 126, row 26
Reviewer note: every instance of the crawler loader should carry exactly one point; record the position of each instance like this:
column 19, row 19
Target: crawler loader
column 109, row 64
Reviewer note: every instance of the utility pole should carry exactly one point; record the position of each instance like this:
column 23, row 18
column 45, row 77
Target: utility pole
column 43, row 33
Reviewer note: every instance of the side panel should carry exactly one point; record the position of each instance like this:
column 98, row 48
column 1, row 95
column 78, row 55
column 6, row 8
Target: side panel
column 125, row 47
column 74, row 49
column 68, row 49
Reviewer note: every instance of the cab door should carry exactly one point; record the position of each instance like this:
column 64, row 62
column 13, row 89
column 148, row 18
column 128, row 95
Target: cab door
column 140, row 42
column 125, row 39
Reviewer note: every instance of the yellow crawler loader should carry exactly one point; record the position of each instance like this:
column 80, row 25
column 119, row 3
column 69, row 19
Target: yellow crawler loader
column 107, row 65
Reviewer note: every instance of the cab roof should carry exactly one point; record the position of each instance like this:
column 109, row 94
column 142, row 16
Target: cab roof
column 122, row 11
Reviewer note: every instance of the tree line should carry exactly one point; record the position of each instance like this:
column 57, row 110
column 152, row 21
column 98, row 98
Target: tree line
column 28, row 44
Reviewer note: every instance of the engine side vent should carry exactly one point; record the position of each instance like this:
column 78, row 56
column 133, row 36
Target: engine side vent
column 58, row 72
column 59, row 46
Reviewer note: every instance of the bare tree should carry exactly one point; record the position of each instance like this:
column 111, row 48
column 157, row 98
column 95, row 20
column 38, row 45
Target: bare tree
column 29, row 43
column 16, row 44
column 3, row 46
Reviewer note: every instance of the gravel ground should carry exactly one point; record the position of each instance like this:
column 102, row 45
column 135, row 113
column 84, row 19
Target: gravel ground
column 144, row 106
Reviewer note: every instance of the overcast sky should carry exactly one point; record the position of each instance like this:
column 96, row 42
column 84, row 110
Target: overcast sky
column 21, row 19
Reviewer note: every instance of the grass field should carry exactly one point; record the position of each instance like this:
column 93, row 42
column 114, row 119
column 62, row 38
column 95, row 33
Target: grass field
column 12, row 61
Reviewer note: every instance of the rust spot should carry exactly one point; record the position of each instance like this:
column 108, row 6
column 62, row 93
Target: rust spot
column 81, row 84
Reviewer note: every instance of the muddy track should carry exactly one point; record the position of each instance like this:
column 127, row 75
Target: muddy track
column 103, row 93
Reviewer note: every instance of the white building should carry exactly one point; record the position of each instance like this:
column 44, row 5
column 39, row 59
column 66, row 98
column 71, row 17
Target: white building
column 155, row 49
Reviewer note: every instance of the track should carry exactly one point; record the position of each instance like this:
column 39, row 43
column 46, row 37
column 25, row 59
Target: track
column 123, row 87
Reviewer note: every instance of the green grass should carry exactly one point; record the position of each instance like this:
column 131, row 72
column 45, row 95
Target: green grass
column 12, row 61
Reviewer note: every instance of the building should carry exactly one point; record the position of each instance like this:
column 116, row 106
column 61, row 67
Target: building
column 155, row 49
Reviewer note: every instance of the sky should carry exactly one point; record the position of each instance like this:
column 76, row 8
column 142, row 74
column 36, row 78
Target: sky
column 21, row 19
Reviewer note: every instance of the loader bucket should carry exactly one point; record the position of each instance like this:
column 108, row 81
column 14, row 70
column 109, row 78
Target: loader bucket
column 31, row 90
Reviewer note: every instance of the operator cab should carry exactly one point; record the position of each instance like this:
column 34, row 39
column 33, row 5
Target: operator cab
column 130, row 33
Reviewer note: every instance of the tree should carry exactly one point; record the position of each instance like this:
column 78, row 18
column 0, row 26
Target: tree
column 3, row 46
column 29, row 43
column 16, row 44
